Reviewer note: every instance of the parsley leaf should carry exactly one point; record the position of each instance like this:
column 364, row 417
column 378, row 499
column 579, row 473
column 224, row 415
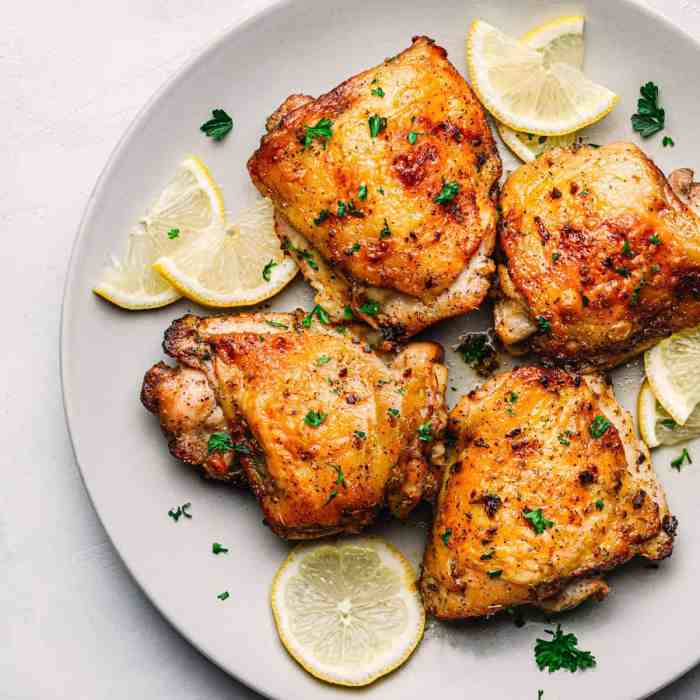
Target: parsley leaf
column 386, row 231
column 322, row 360
column 425, row 432
column 224, row 595
column 564, row 438
column 544, row 325
column 378, row 92
column 347, row 314
column 494, row 574
column 315, row 418
column 393, row 412
column 667, row 141
column 600, row 504
column 177, row 513
column 377, row 124
column 219, row 442
column 678, row 462
column 216, row 548
column 598, row 426
column 173, row 233
column 412, row 137
column 360, row 434
column 218, row 126
column 561, row 652
column 267, row 270
column 650, row 117
column 362, row 193
column 322, row 131
column 446, row 536
column 537, row 520
column 654, row 239
column 448, row 192
column 304, row 254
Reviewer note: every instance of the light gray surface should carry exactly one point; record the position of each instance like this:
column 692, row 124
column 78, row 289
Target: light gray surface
column 73, row 622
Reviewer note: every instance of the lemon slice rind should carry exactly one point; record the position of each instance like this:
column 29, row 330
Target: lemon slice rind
column 657, row 427
column 324, row 592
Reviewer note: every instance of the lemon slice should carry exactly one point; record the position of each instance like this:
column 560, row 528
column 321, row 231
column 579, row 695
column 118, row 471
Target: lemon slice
column 130, row 282
column 673, row 371
column 559, row 41
column 516, row 84
column 348, row 612
column 656, row 425
column 190, row 204
column 238, row 265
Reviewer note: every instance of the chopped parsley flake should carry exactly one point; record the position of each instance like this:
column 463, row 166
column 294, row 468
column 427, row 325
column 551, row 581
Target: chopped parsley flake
column 277, row 324
column 556, row 255
column 322, row 360
column 177, row 513
column 377, row 124
column 678, row 462
column 544, row 325
column 218, row 126
column 370, row 307
column 394, row 412
column 360, row 434
column 322, row 131
column 173, row 233
column 667, row 141
column 598, row 426
column 320, row 313
column 562, row 652
column 448, row 192
column 654, row 239
column 378, row 92
column 219, row 442
column 564, row 437
column 315, row 418
column 362, row 193
column 322, row 216
column 446, row 536
column 600, row 504
column 412, row 137
column 347, row 314
column 669, row 423
column 496, row 573
column 267, row 270
column 627, row 250
column 537, row 520
column 216, row 548
column 623, row 271
column 487, row 555
column 303, row 254
column 224, row 595
column 386, row 231
column 425, row 432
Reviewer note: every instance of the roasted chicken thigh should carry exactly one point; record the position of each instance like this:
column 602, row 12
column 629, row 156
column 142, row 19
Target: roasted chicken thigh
column 602, row 257
column 385, row 189
column 550, row 487
column 325, row 431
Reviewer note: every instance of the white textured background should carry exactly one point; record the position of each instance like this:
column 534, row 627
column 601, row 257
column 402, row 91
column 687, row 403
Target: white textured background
column 73, row 74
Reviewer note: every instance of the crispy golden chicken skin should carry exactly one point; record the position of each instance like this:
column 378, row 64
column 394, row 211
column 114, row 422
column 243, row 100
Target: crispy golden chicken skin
column 550, row 488
column 392, row 206
column 603, row 259
column 325, row 431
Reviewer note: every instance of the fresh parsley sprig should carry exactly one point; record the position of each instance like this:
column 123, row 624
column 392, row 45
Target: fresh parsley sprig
column 650, row 117
column 562, row 652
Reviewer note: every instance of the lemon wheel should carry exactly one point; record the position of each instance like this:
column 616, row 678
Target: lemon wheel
column 348, row 611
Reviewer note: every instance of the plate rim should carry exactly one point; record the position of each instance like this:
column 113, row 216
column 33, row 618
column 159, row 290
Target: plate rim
column 199, row 54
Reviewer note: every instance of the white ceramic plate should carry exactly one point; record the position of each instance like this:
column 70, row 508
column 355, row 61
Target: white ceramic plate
column 644, row 635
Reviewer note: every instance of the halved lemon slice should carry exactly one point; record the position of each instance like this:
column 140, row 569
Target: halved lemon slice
column 517, row 85
column 130, row 282
column 559, row 41
column 190, row 204
column 673, row 371
column 238, row 265
column 657, row 426
column 349, row 612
